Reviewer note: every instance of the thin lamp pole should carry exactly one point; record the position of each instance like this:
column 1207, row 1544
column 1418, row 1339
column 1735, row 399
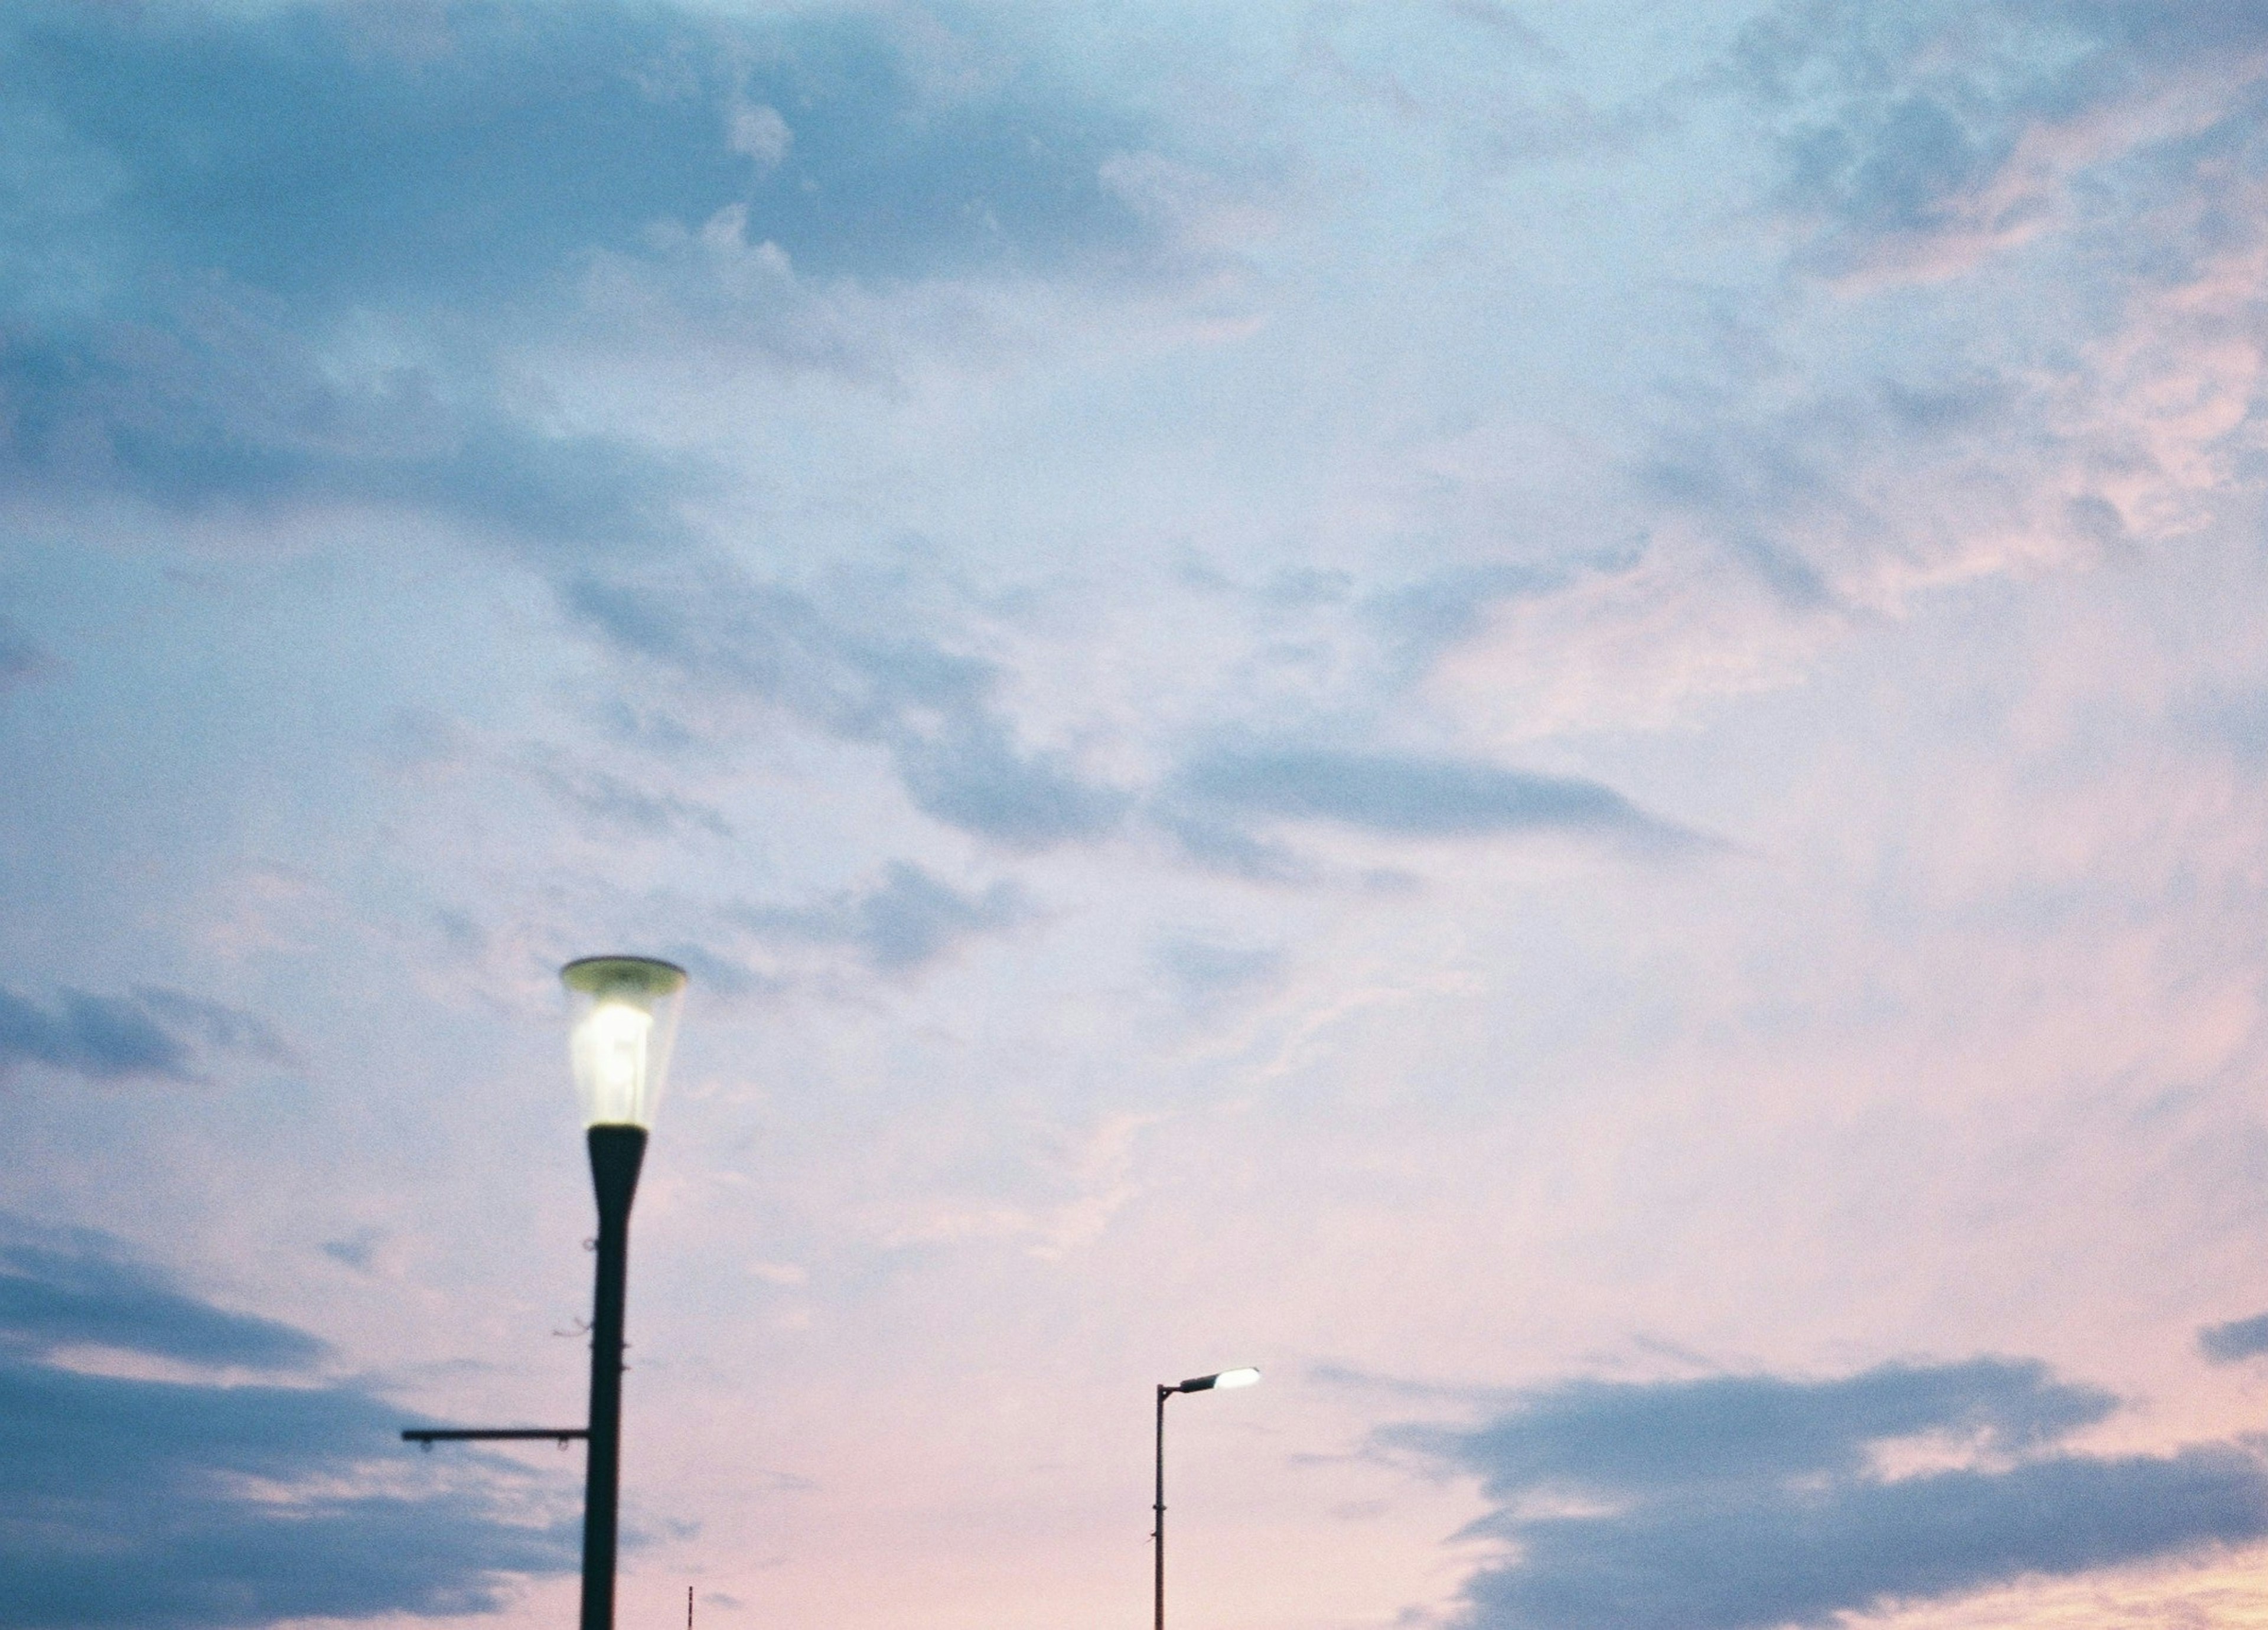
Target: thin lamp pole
column 617, row 1153
column 1157, row 1534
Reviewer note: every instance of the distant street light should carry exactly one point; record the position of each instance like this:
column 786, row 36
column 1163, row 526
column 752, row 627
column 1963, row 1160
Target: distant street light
column 624, row 1023
column 1221, row 1381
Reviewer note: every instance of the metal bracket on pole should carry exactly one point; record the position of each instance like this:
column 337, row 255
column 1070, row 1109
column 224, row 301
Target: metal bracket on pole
column 427, row 1436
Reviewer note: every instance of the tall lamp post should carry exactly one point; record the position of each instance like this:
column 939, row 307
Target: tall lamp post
column 624, row 1023
column 1225, row 1379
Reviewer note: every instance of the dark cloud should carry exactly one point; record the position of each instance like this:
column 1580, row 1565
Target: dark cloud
column 210, row 214
column 153, row 1033
column 128, row 1502
column 358, row 1250
column 1739, row 1502
column 102, row 1037
column 908, row 920
column 66, row 1288
column 1410, row 795
column 205, row 405
column 302, row 151
column 1621, row 1438
column 972, row 775
column 2239, row 1338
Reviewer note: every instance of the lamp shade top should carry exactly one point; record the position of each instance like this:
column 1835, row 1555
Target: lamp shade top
column 602, row 976
column 624, row 1025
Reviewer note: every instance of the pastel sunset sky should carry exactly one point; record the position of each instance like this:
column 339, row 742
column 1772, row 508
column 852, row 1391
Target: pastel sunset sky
column 1552, row 717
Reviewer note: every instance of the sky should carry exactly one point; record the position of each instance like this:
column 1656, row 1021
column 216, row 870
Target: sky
column 1554, row 718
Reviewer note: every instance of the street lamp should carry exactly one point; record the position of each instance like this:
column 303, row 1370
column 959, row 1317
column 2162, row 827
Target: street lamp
column 625, row 1021
column 625, row 1012
column 1220, row 1382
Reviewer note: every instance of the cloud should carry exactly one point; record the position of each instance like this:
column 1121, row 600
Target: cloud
column 930, row 708
column 2239, row 1338
column 2027, row 258
column 1424, row 617
column 1411, row 796
column 608, row 800
column 134, row 1502
column 906, row 921
column 297, row 150
column 215, row 403
column 77, row 1287
column 22, row 661
column 153, row 1033
column 1920, row 138
column 358, row 1252
column 1205, row 973
column 284, row 256
column 973, row 775
column 1736, row 1502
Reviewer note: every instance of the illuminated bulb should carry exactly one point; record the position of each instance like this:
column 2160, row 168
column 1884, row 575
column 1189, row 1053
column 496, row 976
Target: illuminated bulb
column 613, row 1043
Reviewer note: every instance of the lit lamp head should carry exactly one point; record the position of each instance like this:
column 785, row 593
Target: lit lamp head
column 625, row 1021
column 1224, row 1382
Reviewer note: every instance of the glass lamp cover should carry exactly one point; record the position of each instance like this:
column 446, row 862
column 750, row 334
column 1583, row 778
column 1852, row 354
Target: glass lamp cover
column 625, row 1021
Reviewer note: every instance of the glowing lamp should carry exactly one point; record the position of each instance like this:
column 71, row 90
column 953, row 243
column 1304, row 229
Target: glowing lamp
column 624, row 1023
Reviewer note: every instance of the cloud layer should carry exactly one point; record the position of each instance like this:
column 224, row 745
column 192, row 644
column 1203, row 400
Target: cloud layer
column 133, row 1501
column 1741, row 1501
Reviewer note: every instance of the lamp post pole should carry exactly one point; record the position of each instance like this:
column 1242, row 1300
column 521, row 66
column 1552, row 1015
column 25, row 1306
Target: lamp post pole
column 617, row 1153
column 1157, row 1534
column 1222, row 1381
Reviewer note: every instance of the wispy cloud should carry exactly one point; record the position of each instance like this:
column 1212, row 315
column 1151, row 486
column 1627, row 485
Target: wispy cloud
column 154, row 1032
column 906, row 920
column 1411, row 795
column 932, row 709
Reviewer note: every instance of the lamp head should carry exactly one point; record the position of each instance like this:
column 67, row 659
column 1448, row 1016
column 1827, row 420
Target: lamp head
column 1221, row 1381
column 624, row 1022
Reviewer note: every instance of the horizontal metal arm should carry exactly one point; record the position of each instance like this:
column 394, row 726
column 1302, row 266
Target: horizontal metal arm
column 431, row 1435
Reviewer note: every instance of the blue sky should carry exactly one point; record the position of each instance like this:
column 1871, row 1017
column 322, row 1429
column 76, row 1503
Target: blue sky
column 1552, row 719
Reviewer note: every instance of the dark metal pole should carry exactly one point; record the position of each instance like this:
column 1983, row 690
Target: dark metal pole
column 617, row 1153
column 1158, row 1590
